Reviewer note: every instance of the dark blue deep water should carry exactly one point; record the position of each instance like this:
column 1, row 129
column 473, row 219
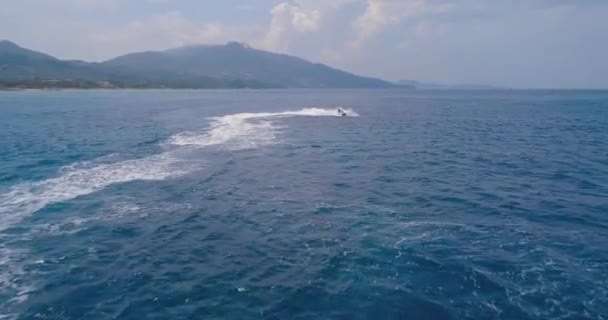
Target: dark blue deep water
column 266, row 205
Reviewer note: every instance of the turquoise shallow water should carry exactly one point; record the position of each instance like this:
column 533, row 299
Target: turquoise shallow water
column 266, row 205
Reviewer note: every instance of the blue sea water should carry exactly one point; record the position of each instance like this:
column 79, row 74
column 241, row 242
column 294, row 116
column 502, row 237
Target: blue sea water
column 266, row 205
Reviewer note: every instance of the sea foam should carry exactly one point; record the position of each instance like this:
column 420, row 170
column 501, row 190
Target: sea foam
column 235, row 131
column 246, row 130
column 24, row 199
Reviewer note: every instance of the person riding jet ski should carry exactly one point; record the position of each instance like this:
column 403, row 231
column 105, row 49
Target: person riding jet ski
column 341, row 112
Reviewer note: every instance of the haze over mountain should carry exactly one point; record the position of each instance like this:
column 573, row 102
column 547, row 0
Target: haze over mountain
column 202, row 66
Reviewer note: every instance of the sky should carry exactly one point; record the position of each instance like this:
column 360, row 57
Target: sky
column 514, row 43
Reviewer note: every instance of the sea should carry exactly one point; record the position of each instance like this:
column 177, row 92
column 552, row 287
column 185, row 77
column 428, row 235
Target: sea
column 265, row 204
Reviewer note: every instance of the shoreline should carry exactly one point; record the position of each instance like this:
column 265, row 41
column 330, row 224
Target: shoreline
column 183, row 89
column 303, row 89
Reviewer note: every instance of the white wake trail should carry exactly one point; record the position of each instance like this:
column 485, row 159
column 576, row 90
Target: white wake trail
column 247, row 130
column 236, row 131
column 24, row 199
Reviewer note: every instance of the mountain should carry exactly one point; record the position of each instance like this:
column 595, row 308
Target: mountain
column 436, row 86
column 17, row 62
column 239, row 61
column 233, row 65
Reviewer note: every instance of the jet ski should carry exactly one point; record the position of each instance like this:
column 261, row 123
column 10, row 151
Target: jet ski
column 341, row 112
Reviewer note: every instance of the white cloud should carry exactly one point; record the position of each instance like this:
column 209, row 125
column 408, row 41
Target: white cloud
column 297, row 17
column 306, row 21
column 380, row 14
column 288, row 17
